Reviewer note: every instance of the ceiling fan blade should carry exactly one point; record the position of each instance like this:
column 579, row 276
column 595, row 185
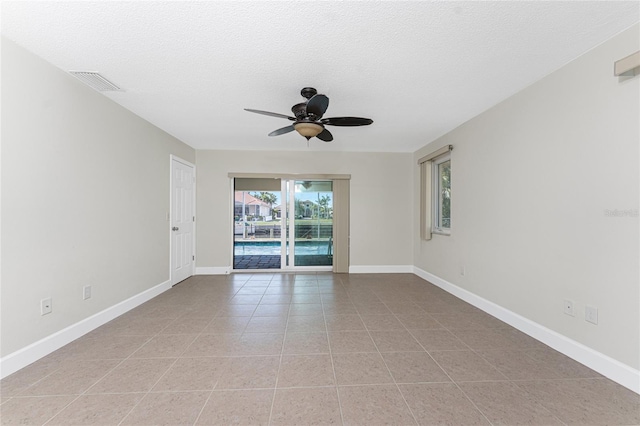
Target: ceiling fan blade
column 317, row 105
column 325, row 135
column 282, row 131
column 347, row 121
column 272, row 114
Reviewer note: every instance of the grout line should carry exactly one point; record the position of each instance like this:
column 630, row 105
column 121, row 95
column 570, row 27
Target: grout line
column 387, row 366
column 333, row 368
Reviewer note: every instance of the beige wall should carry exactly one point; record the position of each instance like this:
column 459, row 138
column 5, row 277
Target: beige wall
column 85, row 193
column 531, row 180
column 381, row 205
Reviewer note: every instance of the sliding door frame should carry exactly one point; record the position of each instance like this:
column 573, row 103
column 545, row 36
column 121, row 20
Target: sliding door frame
column 341, row 208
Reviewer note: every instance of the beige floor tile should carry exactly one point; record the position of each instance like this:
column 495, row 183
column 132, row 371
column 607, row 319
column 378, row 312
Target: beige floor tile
column 351, row 341
column 277, row 296
column 438, row 339
column 186, row 325
column 372, row 309
column 306, row 298
column 119, row 347
column 279, row 289
column 414, row 367
column 243, row 407
column 562, row 365
column 245, row 300
column 418, row 321
column 141, row 326
column 441, row 404
column 374, row 405
column 165, row 346
column 341, row 308
column 235, row 310
column 167, row 408
column 272, row 310
column 505, row 403
column 35, row 410
column 404, row 308
column 360, row 369
column 382, row 322
column 202, row 324
column 395, row 341
column 344, row 323
column 305, row 370
column 191, row 374
column 306, row 323
column 309, row 406
column 466, row 366
column 248, row 372
column 212, row 345
column 133, row 375
column 485, row 339
column 256, row 287
column 276, row 324
column 229, row 325
column 258, row 344
column 306, row 343
column 586, row 401
column 97, row 410
column 73, row 378
column 305, row 309
column 516, row 365
column 17, row 382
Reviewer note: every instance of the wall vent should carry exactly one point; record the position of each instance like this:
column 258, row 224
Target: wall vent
column 96, row 81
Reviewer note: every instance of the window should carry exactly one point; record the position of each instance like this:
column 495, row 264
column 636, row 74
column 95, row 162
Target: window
column 441, row 195
column 435, row 193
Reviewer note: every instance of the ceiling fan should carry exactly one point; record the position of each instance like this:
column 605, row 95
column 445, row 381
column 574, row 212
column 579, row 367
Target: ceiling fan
column 308, row 119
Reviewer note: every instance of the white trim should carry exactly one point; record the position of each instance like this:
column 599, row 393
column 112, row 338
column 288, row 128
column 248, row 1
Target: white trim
column 43, row 347
column 213, row 270
column 603, row 364
column 380, row 269
column 193, row 250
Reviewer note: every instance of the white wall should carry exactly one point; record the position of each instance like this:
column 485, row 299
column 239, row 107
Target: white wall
column 85, row 193
column 381, row 205
column 531, row 180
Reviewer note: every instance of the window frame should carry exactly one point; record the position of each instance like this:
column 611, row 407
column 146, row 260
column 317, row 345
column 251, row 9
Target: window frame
column 436, row 191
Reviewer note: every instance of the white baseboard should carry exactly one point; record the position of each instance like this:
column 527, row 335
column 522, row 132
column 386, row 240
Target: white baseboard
column 213, row 270
column 603, row 364
column 43, row 347
column 381, row 269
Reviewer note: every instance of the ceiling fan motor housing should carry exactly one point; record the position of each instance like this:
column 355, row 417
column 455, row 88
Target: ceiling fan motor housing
column 308, row 92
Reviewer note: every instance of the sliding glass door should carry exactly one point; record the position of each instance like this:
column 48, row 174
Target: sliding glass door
column 283, row 224
column 257, row 224
column 310, row 215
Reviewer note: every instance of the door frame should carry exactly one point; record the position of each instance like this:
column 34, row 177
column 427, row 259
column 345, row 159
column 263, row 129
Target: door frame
column 173, row 158
column 344, row 227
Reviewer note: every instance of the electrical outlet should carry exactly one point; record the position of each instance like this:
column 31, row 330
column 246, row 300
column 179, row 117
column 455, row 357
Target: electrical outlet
column 46, row 306
column 591, row 314
column 462, row 270
column 86, row 292
column 568, row 307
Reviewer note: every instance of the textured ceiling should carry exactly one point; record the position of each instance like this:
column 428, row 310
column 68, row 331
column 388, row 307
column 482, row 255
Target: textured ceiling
column 418, row 69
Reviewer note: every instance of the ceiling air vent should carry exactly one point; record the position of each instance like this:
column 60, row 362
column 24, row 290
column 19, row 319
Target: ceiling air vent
column 96, row 81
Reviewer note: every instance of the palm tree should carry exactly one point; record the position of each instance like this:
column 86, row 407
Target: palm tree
column 324, row 205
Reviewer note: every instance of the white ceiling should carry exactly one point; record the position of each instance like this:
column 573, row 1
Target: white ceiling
column 418, row 69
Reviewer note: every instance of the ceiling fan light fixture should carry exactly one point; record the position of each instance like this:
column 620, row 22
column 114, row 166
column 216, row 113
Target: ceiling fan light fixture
column 308, row 130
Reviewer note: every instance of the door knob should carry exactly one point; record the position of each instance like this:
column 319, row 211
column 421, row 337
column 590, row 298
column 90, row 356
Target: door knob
column 175, row 228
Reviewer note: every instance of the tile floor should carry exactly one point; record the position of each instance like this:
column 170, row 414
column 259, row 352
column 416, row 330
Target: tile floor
column 325, row 349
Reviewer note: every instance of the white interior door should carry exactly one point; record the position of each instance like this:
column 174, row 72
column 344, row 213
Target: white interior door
column 182, row 220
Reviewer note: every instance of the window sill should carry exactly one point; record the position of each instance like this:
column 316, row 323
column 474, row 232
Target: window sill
column 441, row 232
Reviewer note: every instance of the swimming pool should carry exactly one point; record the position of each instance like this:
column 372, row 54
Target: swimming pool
column 257, row 248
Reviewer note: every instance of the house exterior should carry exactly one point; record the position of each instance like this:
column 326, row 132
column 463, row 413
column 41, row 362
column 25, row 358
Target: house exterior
column 253, row 207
